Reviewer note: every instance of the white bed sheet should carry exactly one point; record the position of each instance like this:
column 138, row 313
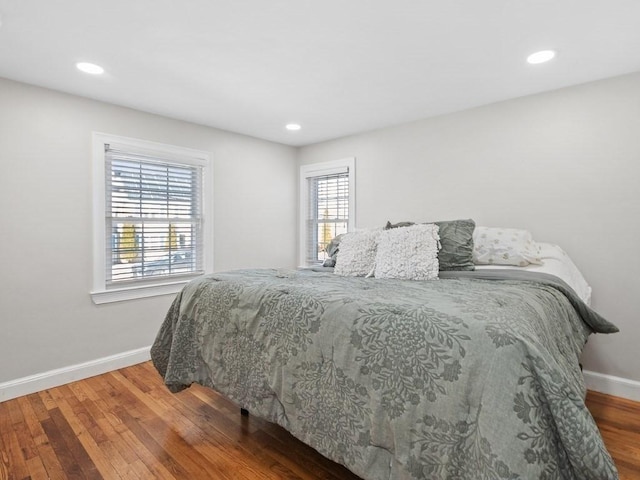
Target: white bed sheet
column 555, row 262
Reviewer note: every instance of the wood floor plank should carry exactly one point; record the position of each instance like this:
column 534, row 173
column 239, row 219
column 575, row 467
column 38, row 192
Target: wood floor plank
column 31, row 421
column 126, row 425
column 140, row 376
column 92, row 455
column 220, row 446
column 156, row 449
column 17, row 462
column 69, row 464
column 233, row 430
column 50, row 461
column 14, row 412
column 48, row 401
column 37, row 471
column 194, row 446
column 38, row 407
column 5, row 428
column 154, row 406
column 619, row 422
column 99, row 416
column 150, row 461
column 25, row 441
column 5, row 466
column 125, row 447
column 75, row 444
column 139, row 470
column 119, row 464
column 226, row 454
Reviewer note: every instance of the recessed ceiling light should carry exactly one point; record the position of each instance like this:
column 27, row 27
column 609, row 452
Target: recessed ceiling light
column 293, row 127
column 541, row 56
column 90, row 68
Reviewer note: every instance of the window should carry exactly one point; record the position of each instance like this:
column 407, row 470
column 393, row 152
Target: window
column 151, row 231
column 326, row 206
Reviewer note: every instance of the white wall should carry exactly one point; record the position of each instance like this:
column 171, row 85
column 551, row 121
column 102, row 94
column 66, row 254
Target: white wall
column 47, row 318
column 564, row 165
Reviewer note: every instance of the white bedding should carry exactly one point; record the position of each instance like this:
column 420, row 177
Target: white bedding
column 555, row 262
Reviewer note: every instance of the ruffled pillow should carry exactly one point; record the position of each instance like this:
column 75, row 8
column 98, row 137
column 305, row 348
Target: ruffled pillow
column 504, row 246
column 357, row 253
column 409, row 253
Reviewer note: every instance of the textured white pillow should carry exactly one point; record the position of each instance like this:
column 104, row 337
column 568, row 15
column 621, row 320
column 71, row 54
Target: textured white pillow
column 357, row 253
column 504, row 246
column 409, row 253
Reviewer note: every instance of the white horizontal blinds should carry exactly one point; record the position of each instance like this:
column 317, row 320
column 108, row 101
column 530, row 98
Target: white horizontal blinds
column 328, row 213
column 153, row 217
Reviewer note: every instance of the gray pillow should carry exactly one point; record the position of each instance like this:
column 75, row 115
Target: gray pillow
column 456, row 240
column 332, row 250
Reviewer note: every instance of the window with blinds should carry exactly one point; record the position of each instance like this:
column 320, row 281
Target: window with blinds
column 328, row 213
column 327, row 207
column 153, row 215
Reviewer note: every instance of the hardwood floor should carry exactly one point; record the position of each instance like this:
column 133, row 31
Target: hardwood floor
column 126, row 425
column 619, row 423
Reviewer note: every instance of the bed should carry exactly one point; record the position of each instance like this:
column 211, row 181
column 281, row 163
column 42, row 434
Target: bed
column 473, row 375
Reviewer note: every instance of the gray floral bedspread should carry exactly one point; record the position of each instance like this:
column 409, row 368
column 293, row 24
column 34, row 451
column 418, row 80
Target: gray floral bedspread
column 459, row 378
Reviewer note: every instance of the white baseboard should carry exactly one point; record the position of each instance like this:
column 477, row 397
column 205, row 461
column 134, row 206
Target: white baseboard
column 616, row 386
column 61, row 376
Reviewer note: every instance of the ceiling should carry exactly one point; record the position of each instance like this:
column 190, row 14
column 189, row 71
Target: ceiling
column 337, row 67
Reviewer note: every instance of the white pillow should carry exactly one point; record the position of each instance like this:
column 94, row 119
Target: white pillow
column 409, row 253
column 357, row 253
column 504, row 246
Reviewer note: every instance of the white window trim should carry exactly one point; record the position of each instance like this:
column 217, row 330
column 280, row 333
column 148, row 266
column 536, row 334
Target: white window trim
column 100, row 293
column 317, row 170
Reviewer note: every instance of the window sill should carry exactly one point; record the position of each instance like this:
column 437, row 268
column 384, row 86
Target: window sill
column 138, row 291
